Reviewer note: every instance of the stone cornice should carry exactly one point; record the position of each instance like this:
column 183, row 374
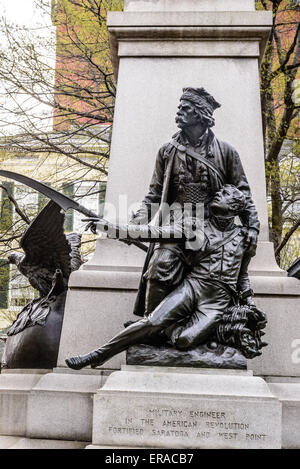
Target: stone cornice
column 166, row 27
column 199, row 19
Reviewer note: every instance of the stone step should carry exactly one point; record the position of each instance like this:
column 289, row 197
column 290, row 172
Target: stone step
column 14, row 442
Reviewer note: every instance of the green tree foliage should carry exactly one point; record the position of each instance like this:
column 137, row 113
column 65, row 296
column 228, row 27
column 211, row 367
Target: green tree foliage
column 4, row 283
column 6, row 208
column 280, row 112
column 84, row 82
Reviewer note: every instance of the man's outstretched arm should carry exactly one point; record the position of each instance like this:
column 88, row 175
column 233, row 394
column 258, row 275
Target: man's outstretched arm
column 146, row 233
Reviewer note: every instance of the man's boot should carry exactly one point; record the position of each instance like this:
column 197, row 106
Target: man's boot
column 129, row 336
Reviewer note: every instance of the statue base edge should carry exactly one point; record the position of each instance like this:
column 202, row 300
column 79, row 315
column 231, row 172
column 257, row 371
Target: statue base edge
column 200, row 357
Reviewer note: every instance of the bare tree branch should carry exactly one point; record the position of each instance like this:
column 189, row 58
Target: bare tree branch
column 287, row 236
column 16, row 205
column 283, row 61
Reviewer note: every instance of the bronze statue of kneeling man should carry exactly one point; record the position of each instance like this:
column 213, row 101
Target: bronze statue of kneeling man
column 190, row 314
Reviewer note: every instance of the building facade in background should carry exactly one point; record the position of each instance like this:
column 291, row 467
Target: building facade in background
column 82, row 115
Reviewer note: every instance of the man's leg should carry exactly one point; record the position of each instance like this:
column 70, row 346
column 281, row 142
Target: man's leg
column 212, row 301
column 175, row 307
column 129, row 336
column 197, row 331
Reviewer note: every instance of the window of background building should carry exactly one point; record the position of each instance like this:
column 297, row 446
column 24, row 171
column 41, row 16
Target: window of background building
column 28, row 200
column 93, row 196
column 20, row 292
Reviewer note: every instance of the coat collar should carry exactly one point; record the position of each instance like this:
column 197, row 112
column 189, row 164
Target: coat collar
column 222, row 223
column 206, row 139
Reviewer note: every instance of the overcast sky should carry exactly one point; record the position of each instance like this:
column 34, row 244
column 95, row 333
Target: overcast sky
column 24, row 13
column 20, row 11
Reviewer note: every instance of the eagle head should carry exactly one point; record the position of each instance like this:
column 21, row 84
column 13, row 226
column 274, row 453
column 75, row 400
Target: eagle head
column 15, row 258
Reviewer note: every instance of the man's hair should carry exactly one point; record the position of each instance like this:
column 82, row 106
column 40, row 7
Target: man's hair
column 238, row 199
column 205, row 104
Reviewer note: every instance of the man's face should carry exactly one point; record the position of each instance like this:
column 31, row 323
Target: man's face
column 221, row 204
column 186, row 115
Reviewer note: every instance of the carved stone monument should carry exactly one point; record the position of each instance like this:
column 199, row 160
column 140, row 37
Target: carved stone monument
column 183, row 408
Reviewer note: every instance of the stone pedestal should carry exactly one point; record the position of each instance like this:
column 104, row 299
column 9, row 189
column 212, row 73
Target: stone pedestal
column 159, row 49
column 14, row 393
column 60, row 406
column 10, row 442
column 162, row 46
column 183, row 408
column 280, row 298
column 288, row 393
column 42, row 405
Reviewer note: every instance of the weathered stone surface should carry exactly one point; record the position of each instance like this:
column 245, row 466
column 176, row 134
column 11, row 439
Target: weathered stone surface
column 289, row 395
column 100, row 300
column 28, row 443
column 189, row 5
column 281, row 357
column 2, row 346
column 173, row 409
column 14, row 393
column 189, row 49
column 7, row 441
column 60, row 406
column 202, row 356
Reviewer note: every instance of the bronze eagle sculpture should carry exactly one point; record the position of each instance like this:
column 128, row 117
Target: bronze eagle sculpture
column 49, row 257
column 47, row 249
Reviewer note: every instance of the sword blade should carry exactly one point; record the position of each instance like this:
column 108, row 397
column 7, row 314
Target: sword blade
column 62, row 200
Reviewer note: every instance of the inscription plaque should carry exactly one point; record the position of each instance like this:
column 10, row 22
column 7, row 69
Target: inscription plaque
column 161, row 424
column 181, row 419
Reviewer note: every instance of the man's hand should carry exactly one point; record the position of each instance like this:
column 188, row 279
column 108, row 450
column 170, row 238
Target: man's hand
column 251, row 240
column 98, row 224
column 258, row 318
column 92, row 224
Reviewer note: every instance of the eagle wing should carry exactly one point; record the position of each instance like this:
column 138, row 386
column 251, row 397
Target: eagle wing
column 45, row 244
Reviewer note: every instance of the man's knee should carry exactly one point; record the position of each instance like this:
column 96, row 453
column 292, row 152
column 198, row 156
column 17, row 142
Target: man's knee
column 145, row 322
column 157, row 322
column 191, row 339
column 184, row 342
